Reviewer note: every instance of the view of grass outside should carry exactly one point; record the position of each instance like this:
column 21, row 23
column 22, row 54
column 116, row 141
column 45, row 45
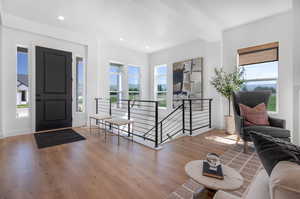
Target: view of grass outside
column 133, row 82
column 162, row 95
column 162, row 99
column 161, row 85
column 115, row 83
column 23, row 106
column 114, row 97
column 272, row 103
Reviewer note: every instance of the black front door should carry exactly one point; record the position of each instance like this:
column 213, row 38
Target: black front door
column 53, row 89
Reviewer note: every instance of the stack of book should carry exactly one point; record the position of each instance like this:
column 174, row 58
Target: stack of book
column 214, row 172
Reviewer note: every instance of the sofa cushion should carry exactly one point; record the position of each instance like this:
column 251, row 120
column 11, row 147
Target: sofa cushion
column 255, row 116
column 284, row 181
column 273, row 150
column 269, row 130
column 259, row 188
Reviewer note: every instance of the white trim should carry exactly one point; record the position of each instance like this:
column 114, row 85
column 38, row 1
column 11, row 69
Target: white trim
column 75, row 82
column 28, row 70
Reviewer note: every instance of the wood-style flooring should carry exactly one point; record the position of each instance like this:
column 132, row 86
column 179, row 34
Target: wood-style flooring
column 94, row 169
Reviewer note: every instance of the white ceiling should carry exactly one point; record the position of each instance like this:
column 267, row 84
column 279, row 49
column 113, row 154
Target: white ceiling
column 155, row 23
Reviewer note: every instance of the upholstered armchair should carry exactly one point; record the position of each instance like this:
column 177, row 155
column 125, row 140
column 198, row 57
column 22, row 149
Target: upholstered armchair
column 251, row 99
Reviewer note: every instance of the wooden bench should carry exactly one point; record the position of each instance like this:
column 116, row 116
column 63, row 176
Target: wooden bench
column 120, row 122
column 98, row 117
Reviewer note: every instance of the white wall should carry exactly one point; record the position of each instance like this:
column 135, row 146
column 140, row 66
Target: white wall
column 1, row 130
column 13, row 38
column 198, row 48
column 98, row 55
column 110, row 52
column 1, row 83
column 276, row 28
column 296, row 63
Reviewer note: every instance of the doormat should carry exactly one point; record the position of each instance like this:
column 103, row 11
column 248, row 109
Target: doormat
column 54, row 138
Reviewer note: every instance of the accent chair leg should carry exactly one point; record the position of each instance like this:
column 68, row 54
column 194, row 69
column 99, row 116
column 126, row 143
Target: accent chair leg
column 245, row 146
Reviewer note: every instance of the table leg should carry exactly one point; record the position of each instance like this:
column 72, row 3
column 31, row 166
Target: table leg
column 105, row 131
column 99, row 129
column 118, row 135
column 90, row 126
column 132, row 132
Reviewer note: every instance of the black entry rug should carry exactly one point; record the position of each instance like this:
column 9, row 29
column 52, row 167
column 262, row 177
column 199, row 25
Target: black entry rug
column 54, row 138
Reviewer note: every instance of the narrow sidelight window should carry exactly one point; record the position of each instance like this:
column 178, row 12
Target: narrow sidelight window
column 161, row 85
column 22, row 98
column 115, row 79
column 80, row 85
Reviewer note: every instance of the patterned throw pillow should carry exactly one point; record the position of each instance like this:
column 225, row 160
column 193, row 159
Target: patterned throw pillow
column 273, row 150
column 257, row 115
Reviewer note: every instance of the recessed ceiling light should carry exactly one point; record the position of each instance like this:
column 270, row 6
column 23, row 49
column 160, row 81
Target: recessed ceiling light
column 147, row 47
column 61, row 18
column 121, row 39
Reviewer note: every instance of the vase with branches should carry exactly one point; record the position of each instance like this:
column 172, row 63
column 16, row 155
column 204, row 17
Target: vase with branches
column 226, row 83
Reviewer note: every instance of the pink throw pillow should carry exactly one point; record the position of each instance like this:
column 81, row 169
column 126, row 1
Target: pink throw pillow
column 257, row 115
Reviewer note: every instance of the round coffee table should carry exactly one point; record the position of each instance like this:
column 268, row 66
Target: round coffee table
column 232, row 179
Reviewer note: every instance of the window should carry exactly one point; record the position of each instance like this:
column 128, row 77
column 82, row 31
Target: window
column 133, row 83
column 80, row 79
column 260, row 67
column 22, row 98
column 115, row 86
column 161, row 85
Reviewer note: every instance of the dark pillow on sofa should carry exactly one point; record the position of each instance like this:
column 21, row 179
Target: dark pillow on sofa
column 273, row 150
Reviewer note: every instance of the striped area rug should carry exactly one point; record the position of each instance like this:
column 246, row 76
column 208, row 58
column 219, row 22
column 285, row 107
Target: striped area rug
column 248, row 165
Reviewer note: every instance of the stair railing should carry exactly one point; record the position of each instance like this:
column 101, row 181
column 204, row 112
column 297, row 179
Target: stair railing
column 191, row 115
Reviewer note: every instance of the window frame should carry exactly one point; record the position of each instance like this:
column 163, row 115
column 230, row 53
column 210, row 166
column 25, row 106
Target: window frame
column 156, row 77
column 139, row 81
column 120, row 79
column 266, row 79
column 23, row 49
column 84, row 84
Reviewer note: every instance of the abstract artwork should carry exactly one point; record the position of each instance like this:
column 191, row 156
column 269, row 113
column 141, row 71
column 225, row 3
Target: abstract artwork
column 187, row 80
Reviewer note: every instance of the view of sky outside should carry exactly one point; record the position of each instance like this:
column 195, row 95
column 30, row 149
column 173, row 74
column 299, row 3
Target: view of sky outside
column 261, row 71
column 79, row 84
column 133, row 78
column 161, row 73
column 22, row 94
column 22, row 63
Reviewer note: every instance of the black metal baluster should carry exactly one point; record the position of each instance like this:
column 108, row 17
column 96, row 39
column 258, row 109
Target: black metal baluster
column 161, row 132
column 183, row 116
column 191, row 117
column 156, row 124
column 96, row 105
column 128, row 112
column 210, row 113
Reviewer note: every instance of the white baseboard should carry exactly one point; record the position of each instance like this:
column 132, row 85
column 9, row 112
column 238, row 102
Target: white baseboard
column 17, row 132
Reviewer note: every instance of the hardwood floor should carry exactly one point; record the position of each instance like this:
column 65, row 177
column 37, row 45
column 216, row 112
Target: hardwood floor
column 94, row 169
